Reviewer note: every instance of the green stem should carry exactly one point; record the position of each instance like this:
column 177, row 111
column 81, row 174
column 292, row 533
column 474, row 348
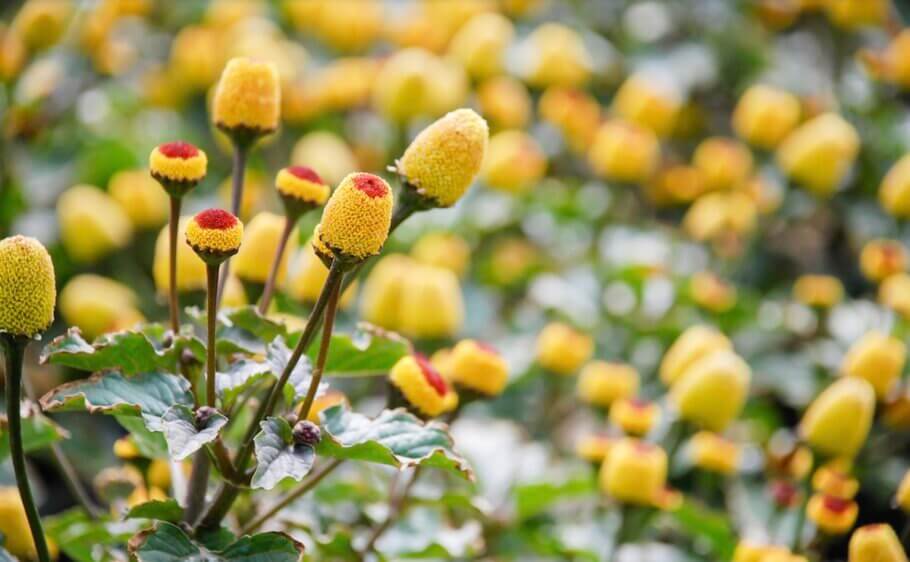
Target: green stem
column 195, row 489
column 619, row 537
column 266, row 298
column 327, row 326
column 806, row 490
column 14, row 349
column 173, row 229
column 241, row 150
column 212, row 318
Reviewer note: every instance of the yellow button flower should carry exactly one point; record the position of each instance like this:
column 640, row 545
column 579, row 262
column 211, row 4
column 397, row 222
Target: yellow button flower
column 893, row 64
column 445, row 250
column 831, row 479
column 324, row 402
column 712, row 390
column 854, row 14
column 178, row 166
column 635, row 472
column 301, row 188
column 355, row 222
column 190, row 269
column 307, row 274
column 880, row 259
column 751, row 552
column 822, row 291
column 563, row 350
column 894, row 193
column 27, row 287
column 601, row 383
column 711, row 292
column 260, row 241
column 693, row 344
column 92, row 224
column 248, row 97
column 196, row 56
column 832, row 515
column 382, row 291
column 478, row 367
column 894, row 292
column 724, row 162
column 421, row 384
column 837, row 422
column 625, row 152
column 481, row 43
column 416, row 83
column 764, row 115
column 214, row 234
column 125, row 448
column 443, row 160
column 713, row 453
column 876, row 543
column 424, row 289
column 649, row 101
column 97, row 305
column 505, row 102
column 327, row 153
column 716, row 215
column 594, row 448
column 634, row 417
column 17, row 536
column 576, row 113
column 41, row 23
column 141, row 197
column 877, row 358
column 159, row 474
column 515, row 162
column 558, row 57
column 677, row 183
column 819, row 153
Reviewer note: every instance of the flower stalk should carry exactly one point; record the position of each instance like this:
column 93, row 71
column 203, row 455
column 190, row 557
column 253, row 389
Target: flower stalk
column 269, row 290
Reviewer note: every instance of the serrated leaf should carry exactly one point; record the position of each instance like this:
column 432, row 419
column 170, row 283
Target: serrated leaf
column 38, row 431
column 368, row 351
column 160, row 510
column 168, row 543
column 278, row 356
column 278, row 456
column 240, row 376
column 244, row 330
column 395, row 437
column 183, row 437
column 129, row 351
column 246, row 372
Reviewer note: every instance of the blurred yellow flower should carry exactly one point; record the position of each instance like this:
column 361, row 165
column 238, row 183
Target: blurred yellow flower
column 443, row 249
column 724, row 162
column 634, row 417
column 576, row 113
column 713, row 453
column 562, row 349
column 822, row 291
column 17, row 536
column 92, row 223
column 306, row 275
column 480, row 44
column 711, row 292
column 431, row 303
column 514, row 162
column 504, row 102
column 876, row 543
column 421, row 384
column 601, row 383
column 648, row 101
column 625, row 152
column 558, row 57
column 877, row 358
column 635, row 472
column 327, row 153
column 141, row 197
column 478, row 367
column 97, row 304
column 260, row 243
column 832, row 515
column 712, row 390
column 693, row 344
column 190, row 268
column 837, row 422
column 765, row 115
column 819, row 153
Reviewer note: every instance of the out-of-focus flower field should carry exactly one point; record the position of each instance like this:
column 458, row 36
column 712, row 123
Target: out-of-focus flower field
column 499, row 280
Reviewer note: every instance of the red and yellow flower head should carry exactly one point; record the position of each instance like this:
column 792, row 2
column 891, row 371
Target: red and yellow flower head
column 178, row 166
column 214, row 234
column 831, row 514
column 27, row 287
column 876, row 543
column 634, row 417
column 422, row 386
column 478, row 367
column 356, row 220
column 635, row 472
column 301, row 188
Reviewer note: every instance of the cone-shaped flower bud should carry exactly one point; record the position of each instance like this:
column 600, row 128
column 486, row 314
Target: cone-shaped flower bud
column 689, row 347
column 838, row 421
column 713, row 390
column 876, row 543
column 832, row 515
column 27, row 288
column 602, row 383
column 248, row 98
column 635, row 472
column 879, row 359
column 356, row 220
column 421, row 385
column 562, row 349
column 634, row 417
column 301, row 189
column 477, row 366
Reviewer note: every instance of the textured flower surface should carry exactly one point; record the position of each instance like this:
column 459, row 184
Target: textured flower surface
column 356, row 220
column 179, row 162
column 216, row 231
column 28, row 292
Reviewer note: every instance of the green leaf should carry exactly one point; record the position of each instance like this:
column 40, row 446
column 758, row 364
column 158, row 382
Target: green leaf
column 87, row 540
column 130, row 351
column 246, row 372
column 240, row 376
column 368, row 351
column 711, row 526
column 183, row 436
column 161, row 510
column 395, row 437
column 167, row 543
column 278, row 456
column 533, row 499
column 150, row 444
column 244, row 330
column 38, row 431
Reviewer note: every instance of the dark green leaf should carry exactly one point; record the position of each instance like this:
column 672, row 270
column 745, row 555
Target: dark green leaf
column 151, row 444
column 161, row 510
column 711, row 526
column 395, row 437
column 278, row 456
column 167, row 543
column 368, row 351
column 244, row 330
column 246, row 372
column 38, row 431
column 183, row 436
column 533, row 499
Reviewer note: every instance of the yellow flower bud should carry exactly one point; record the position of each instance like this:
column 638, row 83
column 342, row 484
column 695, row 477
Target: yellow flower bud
column 197, row 56
column 854, row 14
column 141, row 197
column 711, row 292
column 876, row 543
column 601, row 383
column 421, row 384
column 260, row 241
column 480, row 44
column 92, row 224
column 307, row 275
column 558, row 57
column 301, row 188
column 713, row 453
column 355, row 222
column 17, row 536
column 344, row 83
column 427, row 288
column 832, row 515
column 214, row 234
column 837, row 422
column 877, row 358
column 883, row 258
column 41, row 23
column 382, row 291
column 765, row 115
column 678, row 184
column 327, row 153
column 512, row 259
column 505, row 102
column 625, row 152
column 478, row 367
column 575, row 113
column 902, row 496
column 514, row 162
column 822, row 291
column 894, row 193
column 248, row 97
column 648, row 101
column 159, row 474
column 894, row 292
column 893, row 64
column 445, row 250
column 345, row 26
column 125, row 448
column 635, row 472
column 97, row 305
column 178, row 166
column 563, row 350
column 442, row 162
column 712, row 390
column 13, row 52
column 415, row 82
column 190, row 268
column 832, row 479
column 634, row 417
column 326, row 401
column 724, row 162
column 819, row 153
column 594, row 448
column 693, row 344
column 27, row 287
column 750, row 552
column 717, row 214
